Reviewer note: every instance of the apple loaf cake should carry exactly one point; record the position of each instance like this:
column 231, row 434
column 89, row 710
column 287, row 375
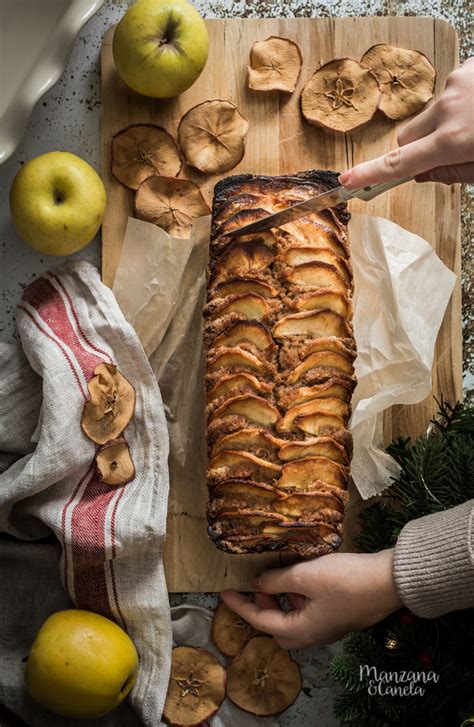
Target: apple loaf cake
column 280, row 353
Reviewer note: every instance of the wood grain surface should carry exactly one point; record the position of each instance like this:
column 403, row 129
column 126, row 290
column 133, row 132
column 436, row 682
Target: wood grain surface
column 279, row 142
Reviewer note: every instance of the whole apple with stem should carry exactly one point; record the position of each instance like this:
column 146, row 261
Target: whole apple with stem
column 57, row 203
column 160, row 47
column 81, row 664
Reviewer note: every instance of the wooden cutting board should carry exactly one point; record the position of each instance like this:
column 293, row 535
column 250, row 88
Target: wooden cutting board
column 279, row 142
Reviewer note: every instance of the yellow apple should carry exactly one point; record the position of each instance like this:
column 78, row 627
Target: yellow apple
column 57, row 202
column 160, row 47
column 81, row 664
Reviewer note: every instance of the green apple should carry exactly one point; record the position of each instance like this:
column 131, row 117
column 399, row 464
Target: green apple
column 160, row 47
column 57, row 202
column 81, row 664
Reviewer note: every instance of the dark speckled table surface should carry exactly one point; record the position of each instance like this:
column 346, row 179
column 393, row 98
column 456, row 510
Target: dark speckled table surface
column 68, row 117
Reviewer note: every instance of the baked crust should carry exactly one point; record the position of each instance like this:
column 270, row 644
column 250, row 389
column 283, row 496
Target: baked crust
column 280, row 349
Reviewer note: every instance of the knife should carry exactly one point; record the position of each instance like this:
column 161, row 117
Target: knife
column 331, row 198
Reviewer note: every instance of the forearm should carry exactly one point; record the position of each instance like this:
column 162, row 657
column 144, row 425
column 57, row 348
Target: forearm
column 433, row 563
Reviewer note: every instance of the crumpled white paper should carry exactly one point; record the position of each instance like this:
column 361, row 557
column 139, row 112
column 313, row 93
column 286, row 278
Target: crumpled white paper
column 401, row 292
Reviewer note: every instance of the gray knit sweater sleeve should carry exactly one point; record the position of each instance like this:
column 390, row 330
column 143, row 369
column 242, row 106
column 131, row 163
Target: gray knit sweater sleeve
column 434, row 562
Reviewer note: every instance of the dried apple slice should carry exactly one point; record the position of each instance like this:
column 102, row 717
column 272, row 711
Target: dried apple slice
column 251, row 440
column 406, row 78
column 240, row 286
column 252, row 407
column 114, row 463
column 246, row 332
column 320, row 424
column 241, row 464
column 332, row 387
column 317, row 275
column 341, row 96
column 263, row 679
column 302, row 473
column 196, row 688
column 327, row 362
column 111, row 404
column 325, row 298
column 316, row 447
column 141, row 151
column 211, row 136
column 229, row 631
column 308, row 506
column 333, row 406
column 237, row 360
column 251, row 306
column 275, row 65
column 238, row 384
column 323, row 323
column 172, row 204
column 241, row 259
column 299, row 255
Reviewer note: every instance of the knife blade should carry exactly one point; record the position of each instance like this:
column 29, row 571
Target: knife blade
column 331, row 198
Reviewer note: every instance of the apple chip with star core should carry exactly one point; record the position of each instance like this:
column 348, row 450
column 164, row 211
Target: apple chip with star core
column 406, row 79
column 141, row 151
column 263, row 679
column 172, row 204
column 341, row 96
column 229, row 632
column 274, row 65
column 196, row 687
column 211, row 136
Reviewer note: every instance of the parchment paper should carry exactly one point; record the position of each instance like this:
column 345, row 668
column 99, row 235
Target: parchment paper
column 401, row 292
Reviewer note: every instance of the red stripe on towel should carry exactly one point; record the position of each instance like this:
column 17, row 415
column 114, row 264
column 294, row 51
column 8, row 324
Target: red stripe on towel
column 43, row 296
column 89, row 514
column 76, row 318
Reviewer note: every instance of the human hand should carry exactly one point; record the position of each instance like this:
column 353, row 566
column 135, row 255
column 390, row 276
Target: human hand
column 330, row 596
column 436, row 146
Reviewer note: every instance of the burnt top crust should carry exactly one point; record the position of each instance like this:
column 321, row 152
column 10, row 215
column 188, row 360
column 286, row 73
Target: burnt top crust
column 307, row 184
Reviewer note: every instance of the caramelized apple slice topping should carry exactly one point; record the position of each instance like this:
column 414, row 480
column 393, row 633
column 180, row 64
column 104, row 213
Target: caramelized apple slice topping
column 236, row 359
column 237, row 384
column 251, row 306
column 252, row 407
column 316, row 447
column 320, row 424
column 317, row 275
column 248, row 439
column 251, row 332
column 322, row 323
column 240, row 286
column 325, row 298
column 333, row 406
column 299, row 255
column 307, row 506
column 334, row 387
column 240, row 464
column 302, row 474
column 240, row 259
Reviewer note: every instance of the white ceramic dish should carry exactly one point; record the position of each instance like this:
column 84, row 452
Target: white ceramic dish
column 36, row 40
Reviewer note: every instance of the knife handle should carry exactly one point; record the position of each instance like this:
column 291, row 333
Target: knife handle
column 370, row 192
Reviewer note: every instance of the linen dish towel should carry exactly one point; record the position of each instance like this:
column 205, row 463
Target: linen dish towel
column 106, row 555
